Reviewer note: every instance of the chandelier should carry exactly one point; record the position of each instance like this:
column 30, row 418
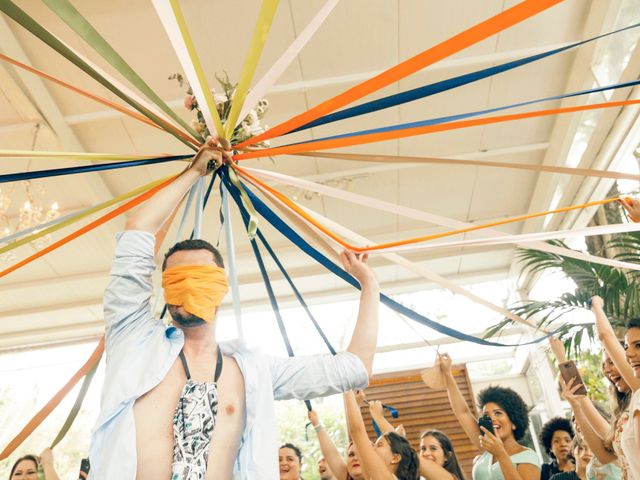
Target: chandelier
column 33, row 211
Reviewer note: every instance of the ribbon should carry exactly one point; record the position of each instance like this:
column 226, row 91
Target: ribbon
column 426, row 217
column 75, row 409
column 231, row 259
column 392, row 133
column 586, row 172
column 55, row 155
column 176, row 28
column 253, row 217
column 72, row 218
column 469, row 37
column 297, row 240
column 267, row 81
column 74, row 19
column 53, row 403
column 443, row 86
column 418, row 270
column 82, row 92
column 260, row 33
column 20, row 17
column 87, row 228
column 451, row 118
column 57, row 172
column 295, row 290
column 272, row 298
column 385, row 246
column 199, row 207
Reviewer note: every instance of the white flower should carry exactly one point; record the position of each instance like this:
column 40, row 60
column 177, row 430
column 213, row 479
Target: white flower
column 251, row 118
column 220, row 97
column 264, row 103
column 246, row 129
column 260, row 111
column 256, row 129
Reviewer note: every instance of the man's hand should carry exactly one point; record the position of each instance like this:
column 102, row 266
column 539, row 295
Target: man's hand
column 210, row 156
column 356, row 265
column 632, row 206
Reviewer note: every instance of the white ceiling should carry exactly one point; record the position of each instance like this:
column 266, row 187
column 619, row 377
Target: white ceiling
column 58, row 297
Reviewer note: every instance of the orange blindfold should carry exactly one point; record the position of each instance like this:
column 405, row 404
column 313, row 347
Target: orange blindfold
column 199, row 289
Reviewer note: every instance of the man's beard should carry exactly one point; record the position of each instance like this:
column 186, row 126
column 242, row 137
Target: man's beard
column 185, row 319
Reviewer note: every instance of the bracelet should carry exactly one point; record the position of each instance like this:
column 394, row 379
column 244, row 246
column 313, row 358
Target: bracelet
column 317, row 428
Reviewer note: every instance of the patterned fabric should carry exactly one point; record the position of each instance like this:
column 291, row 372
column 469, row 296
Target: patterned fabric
column 597, row 471
column 617, row 445
column 193, row 424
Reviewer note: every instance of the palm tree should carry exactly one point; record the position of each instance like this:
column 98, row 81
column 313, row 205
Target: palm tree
column 618, row 288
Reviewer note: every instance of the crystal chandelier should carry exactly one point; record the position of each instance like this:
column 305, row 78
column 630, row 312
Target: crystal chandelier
column 33, row 212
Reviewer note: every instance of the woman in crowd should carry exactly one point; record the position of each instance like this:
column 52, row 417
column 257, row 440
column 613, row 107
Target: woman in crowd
column 601, row 434
column 627, row 361
column 392, row 457
column 582, row 455
column 503, row 457
column 26, row 467
column 438, row 460
column 342, row 470
column 290, row 461
column 436, row 450
column 556, row 436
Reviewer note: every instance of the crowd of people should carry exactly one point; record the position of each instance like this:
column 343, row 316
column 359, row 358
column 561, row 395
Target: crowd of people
column 178, row 405
column 596, row 443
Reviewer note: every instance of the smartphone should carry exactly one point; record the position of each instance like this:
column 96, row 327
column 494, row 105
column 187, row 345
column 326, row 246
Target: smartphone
column 84, row 469
column 568, row 370
column 485, row 421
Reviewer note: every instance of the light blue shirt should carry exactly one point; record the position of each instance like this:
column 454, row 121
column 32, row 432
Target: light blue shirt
column 140, row 350
column 484, row 467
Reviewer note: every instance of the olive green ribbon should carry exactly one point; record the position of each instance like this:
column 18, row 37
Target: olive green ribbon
column 73, row 413
column 23, row 19
column 74, row 19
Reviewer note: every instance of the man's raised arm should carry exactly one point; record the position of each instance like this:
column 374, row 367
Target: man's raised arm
column 152, row 214
column 365, row 333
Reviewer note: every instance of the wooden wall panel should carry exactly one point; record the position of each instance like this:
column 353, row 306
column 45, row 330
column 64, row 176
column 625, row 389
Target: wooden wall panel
column 421, row 408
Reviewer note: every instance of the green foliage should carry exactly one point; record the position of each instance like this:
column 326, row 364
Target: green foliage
column 618, row 288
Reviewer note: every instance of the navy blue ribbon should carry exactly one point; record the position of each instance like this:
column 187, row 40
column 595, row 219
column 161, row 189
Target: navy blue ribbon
column 297, row 240
column 462, row 116
column 56, row 172
column 438, row 87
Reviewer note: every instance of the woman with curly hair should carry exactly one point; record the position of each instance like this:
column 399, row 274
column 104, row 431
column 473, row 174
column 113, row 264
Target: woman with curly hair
column 503, row 458
column 556, row 436
column 391, row 458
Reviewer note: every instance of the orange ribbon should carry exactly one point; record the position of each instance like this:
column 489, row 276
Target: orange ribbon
column 469, row 37
column 408, row 241
column 87, row 228
column 53, row 403
column 199, row 289
column 99, row 99
column 410, row 132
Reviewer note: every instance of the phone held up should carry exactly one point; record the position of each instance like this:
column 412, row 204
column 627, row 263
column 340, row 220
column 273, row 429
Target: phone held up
column 568, row 370
column 485, row 421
